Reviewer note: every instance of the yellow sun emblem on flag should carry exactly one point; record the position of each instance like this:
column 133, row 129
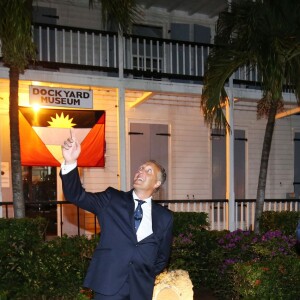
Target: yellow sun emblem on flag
column 61, row 121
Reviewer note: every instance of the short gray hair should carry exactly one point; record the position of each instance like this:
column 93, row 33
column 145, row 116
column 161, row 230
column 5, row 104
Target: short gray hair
column 163, row 174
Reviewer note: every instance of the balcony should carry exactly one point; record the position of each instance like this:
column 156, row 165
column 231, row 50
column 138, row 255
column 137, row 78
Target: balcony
column 69, row 49
column 62, row 48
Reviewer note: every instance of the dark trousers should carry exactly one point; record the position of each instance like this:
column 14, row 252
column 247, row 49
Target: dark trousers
column 122, row 294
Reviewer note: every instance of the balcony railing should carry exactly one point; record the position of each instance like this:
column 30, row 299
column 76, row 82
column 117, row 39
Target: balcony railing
column 63, row 47
column 215, row 209
column 142, row 57
column 79, row 48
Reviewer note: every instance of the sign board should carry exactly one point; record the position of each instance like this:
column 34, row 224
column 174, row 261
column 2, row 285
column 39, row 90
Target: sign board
column 50, row 96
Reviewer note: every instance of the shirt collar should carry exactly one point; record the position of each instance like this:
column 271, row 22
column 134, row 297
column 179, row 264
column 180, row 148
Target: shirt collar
column 147, row 200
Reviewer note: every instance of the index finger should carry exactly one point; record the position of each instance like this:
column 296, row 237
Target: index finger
column 72, row 134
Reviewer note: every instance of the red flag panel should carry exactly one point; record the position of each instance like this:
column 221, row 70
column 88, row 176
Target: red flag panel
column 33, row 151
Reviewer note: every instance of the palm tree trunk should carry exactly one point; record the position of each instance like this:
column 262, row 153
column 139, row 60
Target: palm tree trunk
column 16, row 169
column 262, row 179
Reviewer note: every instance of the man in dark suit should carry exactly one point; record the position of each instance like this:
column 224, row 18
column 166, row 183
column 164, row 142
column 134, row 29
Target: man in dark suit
column 126, row 260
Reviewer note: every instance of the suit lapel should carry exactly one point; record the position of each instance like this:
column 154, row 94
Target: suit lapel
column 155, row 218
column 130, row 209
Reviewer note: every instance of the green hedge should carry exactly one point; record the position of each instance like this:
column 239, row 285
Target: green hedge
column 270, row 279
column 20, row 241
column 31, row 268
column 226, row 262
column 285, row 221
column 210, row 256
column 184, row 221
column 191, row 245
column 191, row 252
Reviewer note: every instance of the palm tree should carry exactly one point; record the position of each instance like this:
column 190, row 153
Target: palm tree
column 120, row 14
column 265, row 34
column 18, row 49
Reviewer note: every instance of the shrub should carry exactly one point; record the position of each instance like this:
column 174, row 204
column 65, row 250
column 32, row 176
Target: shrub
column 63, row 264
column 191, row 251
column 273, row 244
column 239, row 247
column 285, row 221
column 186, row 221
column 31, row 268
column 20, row 241
column 270, row 279
column 186, row 254
column 3, row 295
column 233, row 264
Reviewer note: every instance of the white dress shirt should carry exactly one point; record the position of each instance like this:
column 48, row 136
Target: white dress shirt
column 145, row 228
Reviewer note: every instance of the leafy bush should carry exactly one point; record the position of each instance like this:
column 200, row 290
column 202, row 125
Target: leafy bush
column 273, row 244
column 285, row 221
column 20, row 240
column 191, row 251
column 185, row 221
column 269, row 279
column 3, row 295
column 189, row 232
column 233, row 264
column 244, row 247
column 31, row 268
column 62, row 266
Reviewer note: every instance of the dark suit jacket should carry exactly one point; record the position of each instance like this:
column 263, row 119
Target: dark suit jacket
column 119, row 256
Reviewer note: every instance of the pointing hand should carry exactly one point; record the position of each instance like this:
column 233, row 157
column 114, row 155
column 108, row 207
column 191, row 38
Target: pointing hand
column 71, row 148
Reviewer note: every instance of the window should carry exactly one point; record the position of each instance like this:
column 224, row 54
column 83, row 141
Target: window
column 147, row 54
column 39, row 188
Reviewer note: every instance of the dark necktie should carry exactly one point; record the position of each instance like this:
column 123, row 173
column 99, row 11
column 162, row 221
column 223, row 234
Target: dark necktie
column 138, row 214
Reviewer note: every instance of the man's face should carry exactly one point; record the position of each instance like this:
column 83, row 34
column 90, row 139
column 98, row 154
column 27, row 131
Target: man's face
column 146, row 178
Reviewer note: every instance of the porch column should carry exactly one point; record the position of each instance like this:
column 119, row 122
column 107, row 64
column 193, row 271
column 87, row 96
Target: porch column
column 231, row 225
column 121, row 116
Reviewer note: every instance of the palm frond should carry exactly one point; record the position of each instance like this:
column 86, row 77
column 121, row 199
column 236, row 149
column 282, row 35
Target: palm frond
column 222, row 63
column 15, row 32
column 261, row 33
column 122, row 13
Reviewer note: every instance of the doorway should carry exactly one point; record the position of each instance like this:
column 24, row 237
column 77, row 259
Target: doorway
column 149, row 142
column 219, row 164
column 219, row 169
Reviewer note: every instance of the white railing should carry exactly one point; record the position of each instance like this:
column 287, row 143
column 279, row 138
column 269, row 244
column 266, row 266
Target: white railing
column 75, row 46
column 84, row 48
column 217, row 210
column 143, row 57
column 165, row 56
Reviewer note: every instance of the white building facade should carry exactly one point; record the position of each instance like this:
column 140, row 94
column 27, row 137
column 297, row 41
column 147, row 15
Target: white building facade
column 149, row 85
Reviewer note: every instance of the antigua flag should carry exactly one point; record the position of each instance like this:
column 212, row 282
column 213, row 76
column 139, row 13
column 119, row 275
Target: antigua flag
column 43, row 132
